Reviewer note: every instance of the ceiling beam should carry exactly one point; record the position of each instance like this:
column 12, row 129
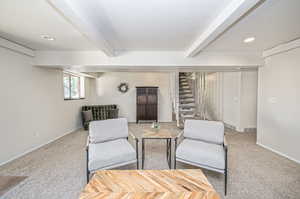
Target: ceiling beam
column 231, row 14
column 85, row 25
column 281, row 48
column 149, row 59
column 74, row 72
column 4, row 43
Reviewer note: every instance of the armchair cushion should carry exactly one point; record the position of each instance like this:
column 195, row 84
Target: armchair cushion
column 202, row 153
column 104, row 130
column 87, row 115
column 107, row 154
column 209, row 131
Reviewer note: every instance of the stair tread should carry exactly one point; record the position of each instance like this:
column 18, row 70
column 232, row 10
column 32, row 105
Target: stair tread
column 185, row 92
column 191, row 100
column 187, row 110
column 184, row 103
column 188, row 116
column 187, row 100
column 185, row 96
column 192, row 113
column 191, row 103
column 187, row 105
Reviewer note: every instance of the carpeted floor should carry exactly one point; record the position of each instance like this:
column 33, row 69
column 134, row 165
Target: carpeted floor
column 58, row 170
column 7, row 183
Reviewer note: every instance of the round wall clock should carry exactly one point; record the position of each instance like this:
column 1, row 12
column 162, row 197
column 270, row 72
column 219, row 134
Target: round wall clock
column 123, row 87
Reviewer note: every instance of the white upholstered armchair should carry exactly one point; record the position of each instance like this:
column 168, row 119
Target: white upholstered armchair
column 204, row 145
column 108, row 146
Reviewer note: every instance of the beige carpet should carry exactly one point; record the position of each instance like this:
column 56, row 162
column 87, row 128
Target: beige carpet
column 58, row 170
column 9, row 182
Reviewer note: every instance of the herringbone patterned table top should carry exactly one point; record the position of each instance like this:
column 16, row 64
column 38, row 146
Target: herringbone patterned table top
column 149, row 184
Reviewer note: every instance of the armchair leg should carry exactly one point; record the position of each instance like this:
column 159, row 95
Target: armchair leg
column 87, row 176
column 225, row 182
column 87, row 166
column 226, row 172
column 175, row 148
column 175, row 163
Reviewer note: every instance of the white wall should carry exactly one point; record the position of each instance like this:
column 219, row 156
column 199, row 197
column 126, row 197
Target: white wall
column 279, row 104
column 107, row 92
column 240, row 99
column 248, row 97
column 33, row 111
column 231, row 98
column 214, row 96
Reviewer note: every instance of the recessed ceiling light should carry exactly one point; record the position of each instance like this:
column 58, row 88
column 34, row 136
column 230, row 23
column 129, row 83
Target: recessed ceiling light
column 47, row 37
column 249, row 39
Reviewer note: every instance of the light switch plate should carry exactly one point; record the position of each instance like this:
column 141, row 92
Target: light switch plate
column 272, row 100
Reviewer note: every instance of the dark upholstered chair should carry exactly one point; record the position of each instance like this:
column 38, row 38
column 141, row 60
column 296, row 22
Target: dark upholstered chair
column 100, row 112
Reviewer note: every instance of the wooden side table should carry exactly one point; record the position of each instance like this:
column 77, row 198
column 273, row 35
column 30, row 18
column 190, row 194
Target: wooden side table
column 163, row 134
column 150, row 184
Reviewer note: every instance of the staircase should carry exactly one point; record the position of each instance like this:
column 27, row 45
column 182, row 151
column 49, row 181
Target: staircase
column 187, row 106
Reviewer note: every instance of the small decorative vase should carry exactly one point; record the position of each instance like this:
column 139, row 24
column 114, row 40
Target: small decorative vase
column 155, row 125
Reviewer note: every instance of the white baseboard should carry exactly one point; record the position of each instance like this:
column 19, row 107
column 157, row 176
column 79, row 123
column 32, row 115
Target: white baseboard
column 279, row 153
column 250, row 130
column 229, row 126
column 239, row 129
column 39, row 146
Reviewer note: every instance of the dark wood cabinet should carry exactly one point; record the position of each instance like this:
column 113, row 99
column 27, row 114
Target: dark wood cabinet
column 146, row 103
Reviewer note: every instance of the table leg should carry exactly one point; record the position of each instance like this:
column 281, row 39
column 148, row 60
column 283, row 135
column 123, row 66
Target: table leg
column 167, row 149
column 137, row 154
column 143, row 153
column 175, row 148
column 170, row 153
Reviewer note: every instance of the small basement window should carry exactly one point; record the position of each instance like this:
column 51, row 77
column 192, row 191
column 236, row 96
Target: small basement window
column 74, row 87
